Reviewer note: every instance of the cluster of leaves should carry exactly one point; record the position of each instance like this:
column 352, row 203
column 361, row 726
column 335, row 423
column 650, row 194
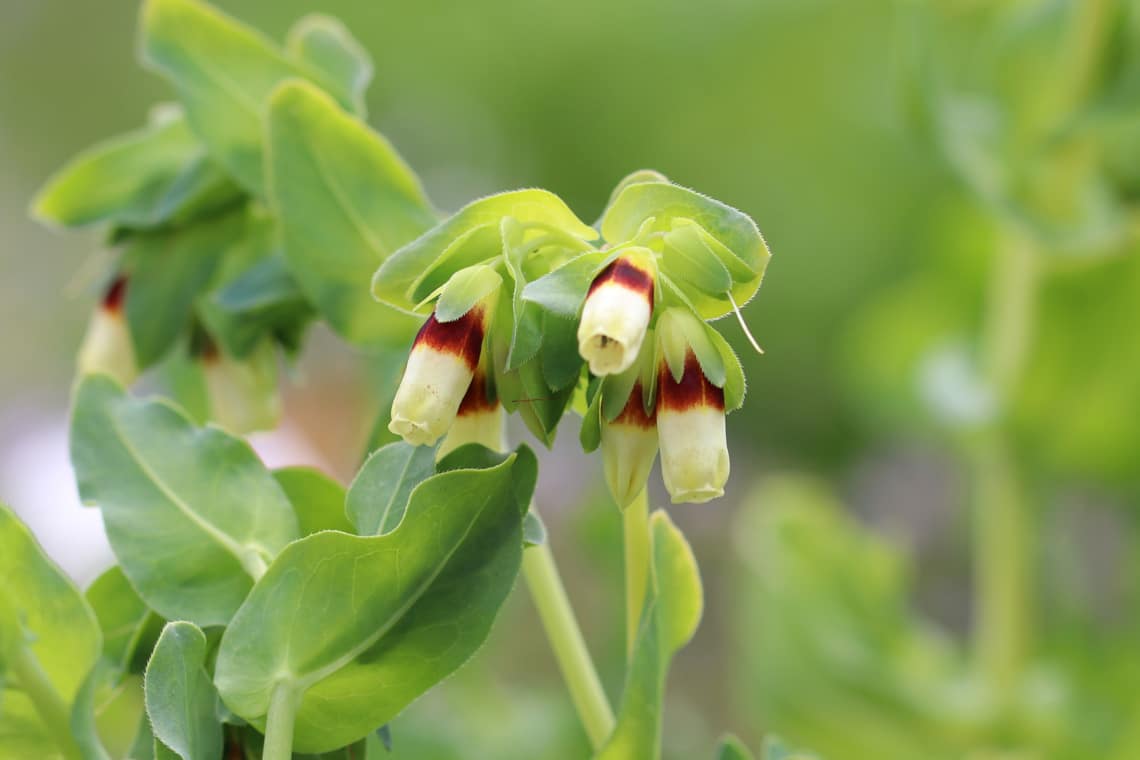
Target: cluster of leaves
column 351, row 602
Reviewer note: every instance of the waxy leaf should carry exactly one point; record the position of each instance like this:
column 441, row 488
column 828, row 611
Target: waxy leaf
column 180, row 699
column 192, row 514
column 355, row 628
column 379, row 494
column 466, row 288
column 346, row 201
column 563, row 290
column 129, row 627
column 673, row 603
column 317, row 499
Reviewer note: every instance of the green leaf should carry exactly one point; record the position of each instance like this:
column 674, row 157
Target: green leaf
column 358, row 627
column 563, row 290
column 335, row 60
column 191, row 512
column 317, row 499
column 141, row 179
column 540, row 406
column 692, row 263
column 180, row 699
column 734, row 383
column 129, row 627
column 534, row 530
column 466, row 288
column 561, row 362
column 223, row 72
column 775, row 749
column 672, row 611
column 731, row 748
column 470, row 236
column 346, row 201
column 379, row 495
column 168, row 270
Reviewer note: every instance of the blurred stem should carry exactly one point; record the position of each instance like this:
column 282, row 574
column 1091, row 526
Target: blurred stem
column 1002, row 554
column 569, row 647
column 635, row 531
column 279, row 724
column 53, row 711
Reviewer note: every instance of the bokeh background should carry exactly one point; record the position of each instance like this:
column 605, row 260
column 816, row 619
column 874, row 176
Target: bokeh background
column 838, row 572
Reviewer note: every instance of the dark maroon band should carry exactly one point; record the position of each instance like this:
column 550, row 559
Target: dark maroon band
column 116, row 294
column 634, row 411
column 477, row 399
column 627, row 274
column 462, row 337
column 692, row 392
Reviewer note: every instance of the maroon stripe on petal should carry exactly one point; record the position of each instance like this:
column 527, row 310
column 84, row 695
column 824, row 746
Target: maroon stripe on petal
column 477, row 399
column 692, row 392
column 462, row 337
column 627, row 274
column 115, row 296
column 634, row 411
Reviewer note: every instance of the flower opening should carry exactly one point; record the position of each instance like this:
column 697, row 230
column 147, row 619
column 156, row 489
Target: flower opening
column 616, row 315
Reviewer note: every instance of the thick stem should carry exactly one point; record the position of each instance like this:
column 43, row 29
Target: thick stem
column 279, row 724
column 53, row 711
column 569, row 647
column 635, row 531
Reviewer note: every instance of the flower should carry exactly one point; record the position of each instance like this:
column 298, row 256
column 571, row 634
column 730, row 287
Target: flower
column 616, row 314
column 629, row 446
column 690, row 429
column 107, row 346
column 478, row 420
column 243, row 392
column 438, row 375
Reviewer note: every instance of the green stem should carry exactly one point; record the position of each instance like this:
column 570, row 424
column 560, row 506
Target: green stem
column 279, row 724
column 569, row 647
column 635, row 531
column 53, row 711
column 1003, row 541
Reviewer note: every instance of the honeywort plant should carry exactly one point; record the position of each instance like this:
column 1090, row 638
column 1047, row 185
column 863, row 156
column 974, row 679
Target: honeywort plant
column 262, row 613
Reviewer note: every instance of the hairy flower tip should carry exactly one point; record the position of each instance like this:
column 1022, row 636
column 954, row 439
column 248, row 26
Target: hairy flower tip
column 629, row 446
column 616, row 314
column 691, row 432
column 479, row 419
column 438, row 374
column 107, row 346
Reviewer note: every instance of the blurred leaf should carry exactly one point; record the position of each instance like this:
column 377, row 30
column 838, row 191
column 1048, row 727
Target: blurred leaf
column 333, row 57
column 346, row 200
column 191, row 513
column 364, row 625
column 180, row 699
column 380, row 492
column 731, row 748
column 317, row 499
column 673, row 603
column 129, row 627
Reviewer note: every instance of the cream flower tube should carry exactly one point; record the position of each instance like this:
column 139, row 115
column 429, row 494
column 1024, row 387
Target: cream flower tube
column 479, row 419
column 629, row 446
column 243, row 392
column 107, row 346
column 616, row 314
column 691, row 432
column 438, row 374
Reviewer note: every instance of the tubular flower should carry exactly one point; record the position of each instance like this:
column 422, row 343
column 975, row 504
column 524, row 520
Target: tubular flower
column 439, row 372
column 629, row 446
column 616, row 314
column 478, row 420
column 243, row 392
column 690, row 428
column 107, row 346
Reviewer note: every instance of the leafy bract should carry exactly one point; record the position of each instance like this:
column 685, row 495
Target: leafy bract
column 357, row 627
column 379, row 494
column 334, row 58
column 346, row 202
column 672, row 611
column 180, row 699
column 317, row 499
column 191, row 513
column 129, row 627
column 223, row 72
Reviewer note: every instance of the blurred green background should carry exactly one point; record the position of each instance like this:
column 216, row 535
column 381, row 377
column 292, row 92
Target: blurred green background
column 838, row 570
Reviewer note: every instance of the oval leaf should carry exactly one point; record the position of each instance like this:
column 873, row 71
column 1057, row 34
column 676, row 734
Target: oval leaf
column 379, row 495
column 180, row 699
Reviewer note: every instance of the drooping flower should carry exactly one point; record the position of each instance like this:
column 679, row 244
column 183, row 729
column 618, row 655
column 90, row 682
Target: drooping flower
column 616, row 313
column 629, row 446
column 243, row 392
column 691, row 432
column 107, row 346
column 438, row 375
column 479, row 419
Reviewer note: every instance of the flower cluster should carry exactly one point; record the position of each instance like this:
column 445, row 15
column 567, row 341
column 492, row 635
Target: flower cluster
column 544, row 314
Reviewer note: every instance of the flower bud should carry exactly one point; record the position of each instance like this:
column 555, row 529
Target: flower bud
column 438, row 374
column 629, row 446
column 107, row 346
column 243, row 392
column 616, row 315
column 690, row 428
column 478, row 420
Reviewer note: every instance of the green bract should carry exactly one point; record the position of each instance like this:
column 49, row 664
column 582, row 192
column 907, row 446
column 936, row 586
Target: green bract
column 180, row 700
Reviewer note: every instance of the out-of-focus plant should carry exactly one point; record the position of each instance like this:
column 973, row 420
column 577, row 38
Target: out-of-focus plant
column 304, row 616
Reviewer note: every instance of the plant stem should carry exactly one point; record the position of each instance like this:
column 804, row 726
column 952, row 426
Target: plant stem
column 53, row 711
column 569, row 647
column 279, row 724
column 635, row 531
column 1002, row 553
